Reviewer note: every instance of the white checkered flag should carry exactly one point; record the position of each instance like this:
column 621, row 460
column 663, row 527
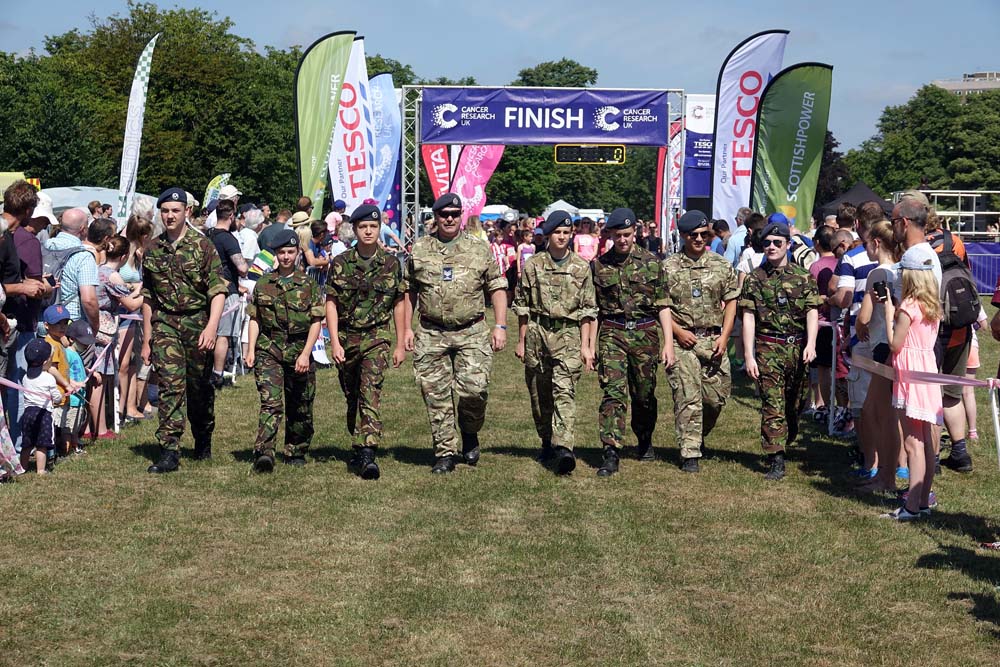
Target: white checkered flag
column 133, row 134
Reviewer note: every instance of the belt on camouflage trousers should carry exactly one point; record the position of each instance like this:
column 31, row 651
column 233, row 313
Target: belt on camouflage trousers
column 349, row 329
column 553, row 323
column 705, row 332
column 629, row 325
column 429, row 324
column 793, row 339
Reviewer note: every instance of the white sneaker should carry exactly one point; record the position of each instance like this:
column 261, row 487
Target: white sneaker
column 901, row 514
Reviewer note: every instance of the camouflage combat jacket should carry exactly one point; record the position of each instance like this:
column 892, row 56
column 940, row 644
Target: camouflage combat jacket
column 182, row 280
column 285, row 308
column 698, row 287
column 779, row 298
column 366, row 292
column 632, row 287
column 560, row 291
column 449, row 279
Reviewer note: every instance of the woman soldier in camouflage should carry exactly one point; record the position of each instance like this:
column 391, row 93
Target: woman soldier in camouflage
column 780, row 304
column 285, row 321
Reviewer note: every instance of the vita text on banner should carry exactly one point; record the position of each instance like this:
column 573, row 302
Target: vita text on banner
column 387, row 128
column 699, row 123
column 353, row 148
column 521, row 116
column 791, row 131
column 437, row 162
column 475, row 167
column 318, row 81
column 742, row 79
column 133, row 133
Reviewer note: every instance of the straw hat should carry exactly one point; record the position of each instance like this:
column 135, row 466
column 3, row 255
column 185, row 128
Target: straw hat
column 299, row 219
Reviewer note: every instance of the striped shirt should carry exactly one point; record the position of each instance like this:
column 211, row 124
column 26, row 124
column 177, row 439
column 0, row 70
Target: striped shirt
column 852, row 273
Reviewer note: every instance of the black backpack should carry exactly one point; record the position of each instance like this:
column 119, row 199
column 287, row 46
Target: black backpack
column 959, row 296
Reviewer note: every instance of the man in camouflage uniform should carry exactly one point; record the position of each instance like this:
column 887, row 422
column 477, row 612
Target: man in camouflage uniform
column 780, row 304
column 703, row 289
column 446, row 276
column 555, row 307
column 183, row 292
column 285, row 321
column 632, row 302
column 364, row 290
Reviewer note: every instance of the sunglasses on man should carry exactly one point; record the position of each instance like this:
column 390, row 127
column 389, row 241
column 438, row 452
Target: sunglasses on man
column 777, row 243
column 450, row 213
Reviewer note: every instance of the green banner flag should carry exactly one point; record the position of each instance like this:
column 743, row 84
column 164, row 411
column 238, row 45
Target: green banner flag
column 791, row 131
column 317, row 99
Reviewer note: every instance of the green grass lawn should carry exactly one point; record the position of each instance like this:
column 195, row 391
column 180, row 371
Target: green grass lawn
column 502, row 565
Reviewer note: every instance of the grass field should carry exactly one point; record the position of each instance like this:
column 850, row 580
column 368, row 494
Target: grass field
column 502, row 565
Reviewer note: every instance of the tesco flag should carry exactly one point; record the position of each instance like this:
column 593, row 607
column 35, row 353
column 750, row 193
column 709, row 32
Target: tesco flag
column 742, row 79
column 352, row 152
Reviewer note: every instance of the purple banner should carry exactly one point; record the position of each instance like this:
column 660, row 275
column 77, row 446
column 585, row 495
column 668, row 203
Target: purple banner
column 512, row 116
column 985, row 261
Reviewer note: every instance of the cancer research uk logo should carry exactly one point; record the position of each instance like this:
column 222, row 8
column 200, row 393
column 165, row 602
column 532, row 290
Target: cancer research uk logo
column 437, row 116
column 601, row 118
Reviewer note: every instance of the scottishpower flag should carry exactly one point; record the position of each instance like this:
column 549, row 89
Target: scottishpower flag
column 318, row 83
column 387, row 128
column 791, row 131
column 353, row 148
column 133, row 133
column 742, row 79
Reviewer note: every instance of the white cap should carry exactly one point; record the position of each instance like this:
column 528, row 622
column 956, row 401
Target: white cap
column 229, row 192
column 44, row 209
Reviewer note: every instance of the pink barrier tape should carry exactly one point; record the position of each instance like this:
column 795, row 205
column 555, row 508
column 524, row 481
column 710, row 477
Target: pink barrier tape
column 15, row 386
column 923, row 377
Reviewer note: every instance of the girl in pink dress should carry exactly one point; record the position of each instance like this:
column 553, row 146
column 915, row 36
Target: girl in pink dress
column 912, row 329
column 585, row 243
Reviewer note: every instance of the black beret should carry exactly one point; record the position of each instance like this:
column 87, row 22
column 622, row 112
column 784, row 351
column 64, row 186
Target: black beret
column 171, row 195
column 244, row 208
column 691, row 221
column 286, row 238
column 555, row 220
column 620, row 218
column 776, row 229
column 366, row 212
column 447, row 200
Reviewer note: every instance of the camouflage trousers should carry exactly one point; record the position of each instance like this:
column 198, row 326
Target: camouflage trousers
column 185, row 379
column 450, row 367
column 626, row 364
column 274, row 371
column 784, row 391
column 366, row 359
column 552, row 367
column 700, row 385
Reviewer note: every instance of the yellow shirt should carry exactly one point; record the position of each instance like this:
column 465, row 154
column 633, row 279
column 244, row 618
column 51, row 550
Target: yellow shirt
column 60, row 363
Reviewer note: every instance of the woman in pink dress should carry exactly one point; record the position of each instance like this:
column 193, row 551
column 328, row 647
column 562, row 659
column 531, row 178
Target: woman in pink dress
column 912, row 329
column 585, row 243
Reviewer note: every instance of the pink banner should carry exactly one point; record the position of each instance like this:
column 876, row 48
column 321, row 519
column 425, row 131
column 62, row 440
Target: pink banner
column 438, row 166
column 475, row 167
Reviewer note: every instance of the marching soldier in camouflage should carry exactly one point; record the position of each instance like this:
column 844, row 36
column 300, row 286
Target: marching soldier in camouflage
column 779, row 304
column 703, row 290
column 183, row 292
column 364, row 291
column 632, row 302
column 446, row 276
column 285, row 321
column 556, row 308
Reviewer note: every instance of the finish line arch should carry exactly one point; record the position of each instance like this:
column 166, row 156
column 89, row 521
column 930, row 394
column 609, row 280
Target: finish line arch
column 532, row 116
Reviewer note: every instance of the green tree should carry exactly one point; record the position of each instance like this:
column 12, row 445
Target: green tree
column 834, row 177
column 563, row 73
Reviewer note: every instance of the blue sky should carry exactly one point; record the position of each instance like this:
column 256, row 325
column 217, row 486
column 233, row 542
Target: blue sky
column 881, row 51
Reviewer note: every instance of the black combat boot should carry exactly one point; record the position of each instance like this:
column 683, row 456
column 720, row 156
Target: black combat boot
column 169, row 462
column 547, row 454
column 296, row 460
column 363, row 463
column 203, row 451
column 565, row 461
column 644, row 452
column 776, row 466
column 470, row 448
column 610, row 465
column 690, row 465
column 264, row 462
column 443, row 465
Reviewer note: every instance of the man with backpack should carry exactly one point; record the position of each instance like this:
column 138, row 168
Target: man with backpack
column 74, row 267
column 961, row 306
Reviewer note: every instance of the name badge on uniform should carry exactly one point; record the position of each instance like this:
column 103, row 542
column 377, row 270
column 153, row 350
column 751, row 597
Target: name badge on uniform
column 447, row 274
